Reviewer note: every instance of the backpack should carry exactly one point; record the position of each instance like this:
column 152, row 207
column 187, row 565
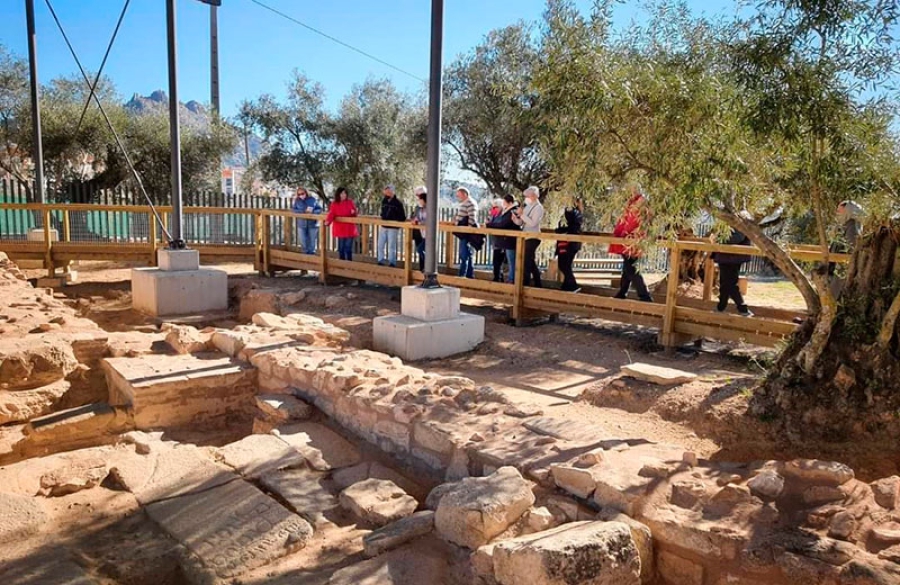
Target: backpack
column 474, row 240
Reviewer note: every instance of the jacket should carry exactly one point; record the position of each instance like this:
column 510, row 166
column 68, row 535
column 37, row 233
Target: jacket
column 736, row 239
column 344, row 208
column 628, row 225
column 573, row 222
column 392, row 210
column 504, row 221
column 308, row 205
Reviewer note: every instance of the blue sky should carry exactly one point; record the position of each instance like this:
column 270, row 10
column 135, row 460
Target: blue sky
column 259, row 49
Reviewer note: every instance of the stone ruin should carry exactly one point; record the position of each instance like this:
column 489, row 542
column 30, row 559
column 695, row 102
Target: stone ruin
column 519, row 497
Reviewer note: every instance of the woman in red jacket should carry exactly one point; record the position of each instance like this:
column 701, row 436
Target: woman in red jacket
column 345, row 233
column 629, row 226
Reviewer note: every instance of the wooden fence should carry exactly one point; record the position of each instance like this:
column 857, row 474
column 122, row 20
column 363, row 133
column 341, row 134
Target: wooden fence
column 271, row 244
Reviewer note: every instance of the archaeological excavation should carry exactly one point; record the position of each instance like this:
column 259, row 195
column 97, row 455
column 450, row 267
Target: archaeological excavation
column 276, row 452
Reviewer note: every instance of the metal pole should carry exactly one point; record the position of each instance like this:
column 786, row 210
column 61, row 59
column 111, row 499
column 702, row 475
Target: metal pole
column 433, row 177
column 214, row 56
column 38, row 152
column 177, row 241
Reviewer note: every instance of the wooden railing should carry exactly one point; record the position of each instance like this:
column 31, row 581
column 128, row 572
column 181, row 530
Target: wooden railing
column 271, row 245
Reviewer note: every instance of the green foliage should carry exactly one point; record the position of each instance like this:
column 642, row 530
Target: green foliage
column 377, row 137
column 491, row 112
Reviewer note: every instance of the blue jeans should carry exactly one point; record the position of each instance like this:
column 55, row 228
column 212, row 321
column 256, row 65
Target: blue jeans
column 309, row 236
column 511, row 258
column 420, row 249
column 345, row 248
column 387, row 238
column 466, row 267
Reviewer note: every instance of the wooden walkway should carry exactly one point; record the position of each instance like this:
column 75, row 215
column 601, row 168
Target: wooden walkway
column 271, row 245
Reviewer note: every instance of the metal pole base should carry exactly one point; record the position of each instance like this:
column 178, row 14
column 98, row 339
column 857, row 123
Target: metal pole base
column 430, row 281
column 177, row 245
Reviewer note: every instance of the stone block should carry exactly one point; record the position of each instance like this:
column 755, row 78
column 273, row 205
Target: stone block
column 230, row 529
column 186, row 339
column 282, row 408
column 255, row 455
column 657, row 374
column 434, row 436
column 818, row 472
column 886, row 491
column 183, row 292
column 643, row 539
column 675, row 570
column 306, row 492
column 767, row 484
column 167, row 391
column 429, row 304
column 393, row 432
column 411, row 339
column 322, row 448
column 587, row 553
column 579, row 482
column 75, row 428
column 32, row 362
column 398, row 533
column 23, row 405
column 475, row 510
column 378, row 501
column 178, row 260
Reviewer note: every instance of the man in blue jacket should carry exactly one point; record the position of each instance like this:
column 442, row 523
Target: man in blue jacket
column 308, row 229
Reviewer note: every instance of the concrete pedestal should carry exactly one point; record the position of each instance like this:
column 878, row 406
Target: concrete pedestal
column 37, row 235
column 181, row 288
column 431, row 326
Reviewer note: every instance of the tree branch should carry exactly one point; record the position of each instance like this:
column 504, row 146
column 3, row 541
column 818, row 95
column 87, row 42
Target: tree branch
column 889, row 324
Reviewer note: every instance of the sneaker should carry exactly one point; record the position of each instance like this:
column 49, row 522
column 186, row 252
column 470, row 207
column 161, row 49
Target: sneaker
column 618, row 296
column 577, row 290
column 380, row 263
column 720, row 309
column 745, row 313
column 392, row 265
column 646, row 299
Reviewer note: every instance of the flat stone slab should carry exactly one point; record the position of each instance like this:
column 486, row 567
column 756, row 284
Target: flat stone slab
column 415, row 564
column 307, row 492
column 378, row 501
column 230, row 529
column 255, row 455
column 398, row 533
column 322, row 448
column 657, row 374
column 182, row 390
column 168, row 471
column 48, row 567
column 566, row 430
column 20, row 517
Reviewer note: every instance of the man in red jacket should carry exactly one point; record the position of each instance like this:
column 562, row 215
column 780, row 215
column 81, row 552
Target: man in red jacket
column 629, row 226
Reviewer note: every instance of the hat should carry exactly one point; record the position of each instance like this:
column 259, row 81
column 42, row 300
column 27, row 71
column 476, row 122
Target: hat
column 421, row 189
column 390, row 188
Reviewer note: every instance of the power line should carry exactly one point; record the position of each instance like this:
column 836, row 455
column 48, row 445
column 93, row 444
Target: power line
column 338, row 41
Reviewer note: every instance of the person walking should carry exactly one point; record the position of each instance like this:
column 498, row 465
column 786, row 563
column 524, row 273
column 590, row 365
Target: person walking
column 499, row 254
column 566, row 251
column 730, row 273
column 391, row 210
column 629, row 226
column 343, row 206
column 418, row 218
column 308, row 229
column 530, row 219
column 466, row 216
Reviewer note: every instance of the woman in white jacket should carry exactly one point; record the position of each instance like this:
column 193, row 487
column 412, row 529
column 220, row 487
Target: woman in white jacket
column 530, row 219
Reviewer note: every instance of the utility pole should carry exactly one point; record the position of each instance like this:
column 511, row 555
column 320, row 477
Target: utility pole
column 433, row 174
column 38, row 152
column 214, row 56
column 177, row 241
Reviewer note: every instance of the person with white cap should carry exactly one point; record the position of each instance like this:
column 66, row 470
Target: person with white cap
column 530, row 219
column 391, row 210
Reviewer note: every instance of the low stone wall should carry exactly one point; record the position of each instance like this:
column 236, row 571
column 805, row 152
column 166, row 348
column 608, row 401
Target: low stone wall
column 713, row 523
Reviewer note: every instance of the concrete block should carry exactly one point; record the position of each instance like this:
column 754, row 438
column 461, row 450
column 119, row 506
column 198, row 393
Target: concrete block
column 429, row 304
column 173, row 260
column 180, row 292
column 37, row 235
column 412, row 339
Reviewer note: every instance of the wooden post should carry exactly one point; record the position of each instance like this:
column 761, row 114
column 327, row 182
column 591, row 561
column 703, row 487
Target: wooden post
column 67, row 227
column 323, row 253
column 152, row 239
column 449, row 250
column 709, row 269
column 267, row 244
column 517, row 309
column 667, row 335
column 366, row 249
column 259, row 264
column 287, row 226
column 408, row 256
column 48, row 245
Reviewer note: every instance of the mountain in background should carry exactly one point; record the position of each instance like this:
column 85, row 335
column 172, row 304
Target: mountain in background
column 192, row 115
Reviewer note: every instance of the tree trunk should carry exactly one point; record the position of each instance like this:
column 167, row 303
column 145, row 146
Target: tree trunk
column 851, row 390
column 690, row 271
